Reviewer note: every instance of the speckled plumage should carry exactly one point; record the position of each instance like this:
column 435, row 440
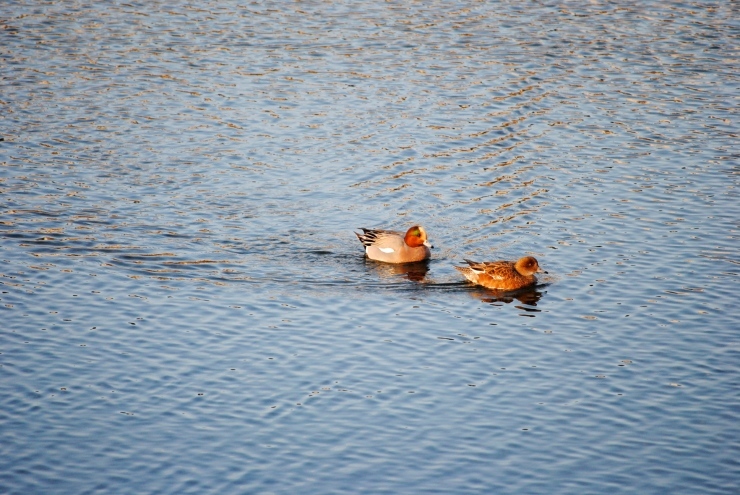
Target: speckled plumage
column 502, row 275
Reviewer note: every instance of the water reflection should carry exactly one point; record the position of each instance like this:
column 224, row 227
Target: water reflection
column 528, row 295
column 415, row 272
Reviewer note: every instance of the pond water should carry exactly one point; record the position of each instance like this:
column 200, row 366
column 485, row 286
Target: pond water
column 185, row 307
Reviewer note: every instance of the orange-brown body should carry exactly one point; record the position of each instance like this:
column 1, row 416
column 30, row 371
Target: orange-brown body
column 502, row 275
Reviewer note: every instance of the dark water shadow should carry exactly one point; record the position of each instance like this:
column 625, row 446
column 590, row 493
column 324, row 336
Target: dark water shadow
column 415, row 272
column 528, row 296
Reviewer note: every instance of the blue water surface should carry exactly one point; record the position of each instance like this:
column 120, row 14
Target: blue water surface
column 185, row 307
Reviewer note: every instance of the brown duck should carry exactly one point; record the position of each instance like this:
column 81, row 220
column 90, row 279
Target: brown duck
column 502, row 275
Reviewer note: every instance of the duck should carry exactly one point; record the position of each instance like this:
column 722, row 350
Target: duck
column 502, row 275
column 391, row 246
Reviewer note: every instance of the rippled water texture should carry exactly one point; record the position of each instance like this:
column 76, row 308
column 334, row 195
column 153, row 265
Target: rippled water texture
column 185, row 308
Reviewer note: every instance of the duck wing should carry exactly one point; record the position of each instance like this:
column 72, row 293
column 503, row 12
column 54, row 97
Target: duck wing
column 496, row 270
column 371, row 237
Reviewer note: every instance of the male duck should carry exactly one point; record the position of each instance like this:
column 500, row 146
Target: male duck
column 396, row 247
column 502, row 275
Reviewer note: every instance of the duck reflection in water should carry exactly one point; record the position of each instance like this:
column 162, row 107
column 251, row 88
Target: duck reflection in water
column 411, row 271
column 528, row 295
